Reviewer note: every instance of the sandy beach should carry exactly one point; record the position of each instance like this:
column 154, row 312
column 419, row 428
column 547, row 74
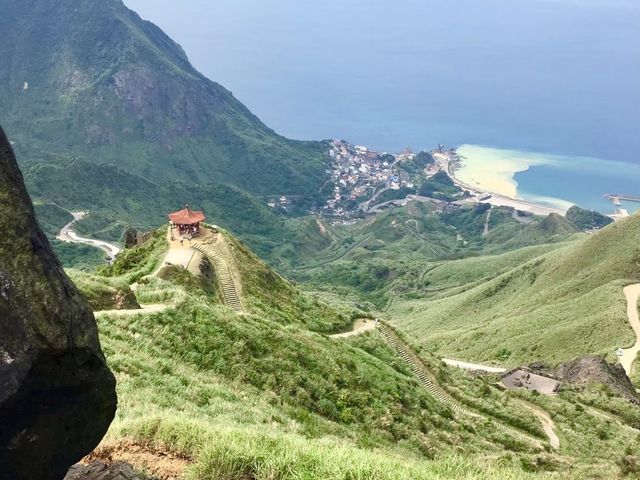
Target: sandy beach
column 496, row 186
column 493, row 170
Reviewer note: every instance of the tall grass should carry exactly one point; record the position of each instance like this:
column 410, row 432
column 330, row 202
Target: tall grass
column 227, row 453
column 261, row 396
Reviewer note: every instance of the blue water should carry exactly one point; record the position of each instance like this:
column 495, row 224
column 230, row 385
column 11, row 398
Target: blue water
column 551, row 76
column 583, row 184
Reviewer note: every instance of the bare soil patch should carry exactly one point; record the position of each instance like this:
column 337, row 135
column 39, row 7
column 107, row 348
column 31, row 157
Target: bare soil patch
column 151, row 461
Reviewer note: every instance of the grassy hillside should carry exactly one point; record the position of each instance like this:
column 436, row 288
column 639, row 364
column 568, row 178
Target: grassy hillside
column 556, row 306
column 314, row 386
column 116, row 199
column 104, row 293
column 267, row 395
column 393, row 251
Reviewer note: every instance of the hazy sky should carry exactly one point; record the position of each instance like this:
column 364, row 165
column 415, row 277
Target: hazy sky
column 560, row 76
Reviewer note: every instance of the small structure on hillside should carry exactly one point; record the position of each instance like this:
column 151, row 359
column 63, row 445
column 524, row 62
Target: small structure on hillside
column 523, row 378
column 186, row 221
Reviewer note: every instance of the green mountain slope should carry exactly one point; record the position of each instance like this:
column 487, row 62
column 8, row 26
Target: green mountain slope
column 395, row 250
column 268, row 394
column 91, row 78
column 553, row 307
column 116, row 199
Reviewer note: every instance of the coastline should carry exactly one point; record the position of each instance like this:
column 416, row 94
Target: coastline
column 540, row 182
column 449, row 162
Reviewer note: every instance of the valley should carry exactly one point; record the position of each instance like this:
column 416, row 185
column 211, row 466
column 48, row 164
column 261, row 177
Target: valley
column 158, row 298
column 502, row 414
column 68, row 235
column 316, row 310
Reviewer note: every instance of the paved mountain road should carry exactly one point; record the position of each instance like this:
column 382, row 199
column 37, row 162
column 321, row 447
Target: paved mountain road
column 69, row 236
column 473, row 366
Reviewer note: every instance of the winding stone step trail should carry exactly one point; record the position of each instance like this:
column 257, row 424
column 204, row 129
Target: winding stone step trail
column 420, row 371
column 225, row 277
column 429, row 382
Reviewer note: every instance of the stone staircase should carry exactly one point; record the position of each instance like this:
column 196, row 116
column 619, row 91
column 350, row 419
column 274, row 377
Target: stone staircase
column 428, row 381
column 420, row 371
column 225, row 277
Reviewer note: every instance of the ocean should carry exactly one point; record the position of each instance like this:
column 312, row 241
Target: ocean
column 545, row 77
column 553, row 180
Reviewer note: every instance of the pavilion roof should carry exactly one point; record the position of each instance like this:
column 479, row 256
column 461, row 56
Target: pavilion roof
column 186, row 216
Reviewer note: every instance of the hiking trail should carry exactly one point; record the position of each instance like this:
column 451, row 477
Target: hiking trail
column 429, row 382
column 360, row 326
column 216, row 252
column 154, row 308
column 473, row 366
column 629, row 355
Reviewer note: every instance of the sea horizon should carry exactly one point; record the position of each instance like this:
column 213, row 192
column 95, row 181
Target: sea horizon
column 497, row 76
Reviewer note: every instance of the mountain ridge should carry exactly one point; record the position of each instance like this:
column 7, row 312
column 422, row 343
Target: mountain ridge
column 93, row 79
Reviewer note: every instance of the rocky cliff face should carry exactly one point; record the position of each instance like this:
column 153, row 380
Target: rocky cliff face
column 596, row 370
column 57, row 396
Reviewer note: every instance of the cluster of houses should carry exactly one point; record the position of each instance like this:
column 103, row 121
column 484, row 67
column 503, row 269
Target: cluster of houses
column 282, row 202
column 359, row 172
column 359, row 176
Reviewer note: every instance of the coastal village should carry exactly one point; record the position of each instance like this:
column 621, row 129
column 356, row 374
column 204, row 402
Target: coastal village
column 358, row 173
column 362, row 180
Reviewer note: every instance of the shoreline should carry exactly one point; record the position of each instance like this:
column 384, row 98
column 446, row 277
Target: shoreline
column 449, row 161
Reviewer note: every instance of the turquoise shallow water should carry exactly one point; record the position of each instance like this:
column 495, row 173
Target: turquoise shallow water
column 554, row 180
column 584, row 182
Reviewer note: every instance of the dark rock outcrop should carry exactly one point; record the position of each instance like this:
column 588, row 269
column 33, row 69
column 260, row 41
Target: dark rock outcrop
column 133, row 238
column 57, row 396
column 588, row 370
column 101, row 471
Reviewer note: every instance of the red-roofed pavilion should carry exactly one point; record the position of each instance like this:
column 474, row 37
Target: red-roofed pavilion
column 187, row 221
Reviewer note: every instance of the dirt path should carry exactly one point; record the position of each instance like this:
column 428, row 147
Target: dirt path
column 69, row 236
column 548, row 425
column 360, row 326
column 163, row 465
column 177, row 254
column 485, row 233
column 632, row 292
column 473, row 366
